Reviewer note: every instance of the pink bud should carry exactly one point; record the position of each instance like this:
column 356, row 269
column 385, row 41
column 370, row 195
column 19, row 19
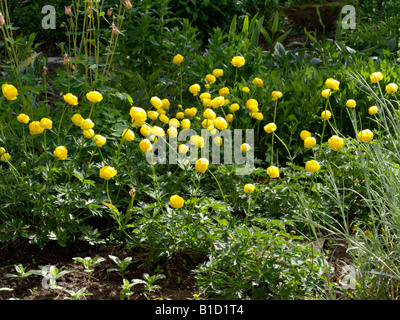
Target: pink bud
column 2, row 21
column 114, row 29
column 110, row 12
column 68, row 10
column 128, row 4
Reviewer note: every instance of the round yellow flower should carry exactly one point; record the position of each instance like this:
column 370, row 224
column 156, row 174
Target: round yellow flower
column 276, row 95
column 2, row 151
column 248, row 188
column 87, row 124
column 220, row 123
column 177, row 59
column 145, row 129
column 77, row 119
column 88, row 133
column 35, row 128
column 190, row 112
column 99, row 140
column 270, row 127
column 376, row 77
column 309, row 142
column 218, row 73
column 194, row 89
column 273, row 172
column 351, row 103
column 207, row 123
column 229, row 117
column 9, row 91
column 201, row 165
column 373, row 110
column 252, row 105
column 128, row 135
column 5, row 157
column 165, row 103
column 153, row 115
column 46, row 123
column 107, row 172
column 326, row 93
column 172, row 132
column 238, row 61
column 217, row 102
column 258, row 82
column 71, row 99
column 138, row 116
column 217, row 141
column 156, row 102
column 183, row 148
column 245, row 147
column 23, row 118
column 223, row 91
column 209, row 114
column 246, row 89
column 163, row 118
column 312, row 166
column 234, row 107
column 61, row 152
column 174, row 123
column 305, row 134
column 94, row 96
column 365, row 135
column 210, row 78
column 157, row 131
column 145, row 145
column 205, row 95
column 161, row 111
column 326, row 115
column 196, row 140
column 391, row 88
column 185, row 124
column 335, row 142
column 176, row 202
column 332, row 84
column 257, row 115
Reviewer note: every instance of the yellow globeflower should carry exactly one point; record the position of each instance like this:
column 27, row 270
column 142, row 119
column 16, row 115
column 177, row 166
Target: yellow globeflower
column 185, row 124
column 87, row 124
column 245, row 147
column 273, row 172
column 217, row 141
column 229, row 117
column 309, row 142
column 305, row 134
column 218, row 73
column 176, row 201
column 5, row 157
column 94, row 96
column 258, row 82
column 335, row 142
column 276, row 95
column 270, row 127
column 391, row 88
column 180, row 115
column 77, row 119
column 23, row 118
column 156, row 102
column 9, row 91
column 145, row 129
column 177, row 59
column 326, row 93
column 174, row 123
column 35, row 128
column 165, row 103
column 153, row 115
column 196, row 140
column 217, row 102
column 2, row 151
column 172, row 132
column 365, row 135
column 373, row 110
column 332, row 84
column 71, row 99
column 163, row 118
column 252, row 105
column 201, row 165
column 351, row 103
column 238, row 61
column 138, row 116
column 61, row 152
column 99, row 140
column 207, row 123
column 234, row 107
column 210, row 78
column 157, row 131
column 190, row 112
column 88, row 133
column 312, row 166
column 46, row 123
column 376, row 77
column 257, row 115
column 205, row 95
column 128, row 135
column 326, row 115
column 145, row 145
column 220, row 123
column 223, row 91
column 194, row 89
column 246, row 89
column 209, row 114
column 107, row 172
column 183, row 148
column 248, row 188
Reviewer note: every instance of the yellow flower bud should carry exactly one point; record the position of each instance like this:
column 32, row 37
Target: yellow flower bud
column 218, row 73
column 156, row 102
column 128, row 135
column 332, row 84
column 176, row 202
column 177, row 59
column 245, row 147
column 238, row 61
column 376, row 77
column 77, row 119
column 107, row 172
column 9, row 91
column 312, row 166
column 87, row 124
column 5, row 157
column 23, row 118
column 248, row 188
column 145, row 145
column 373, row 110
column 335, row 142
column 326, row 93
column 35, row 128
column 88, row 133
column 270, row 127
column 273, row 172
column 309, row 142
column 258, row 82
column 94, row 96
column 351, row 103
column 365, row 135
column 276, row 95
column 210, row 78
column 201, row 165
column 326, row 115
column 305, row 134
column 71, row 99
column 194, row 89
column 61, row 152
column 99, row 140
column 46, row 123
column 220, row 123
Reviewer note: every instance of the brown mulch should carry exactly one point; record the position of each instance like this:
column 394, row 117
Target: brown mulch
column 179, row 283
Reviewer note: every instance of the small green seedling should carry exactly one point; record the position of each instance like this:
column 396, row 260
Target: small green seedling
column 122, row 264
column 88, row 263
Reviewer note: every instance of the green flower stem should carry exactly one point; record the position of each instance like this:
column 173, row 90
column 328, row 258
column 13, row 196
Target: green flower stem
column 248, row 209
column 45, row 145
column 194, row 193
column 273, row 134
column 23, row 134
column 287, row 149
column 180, row 74
column 323, row 129
column 220, row 189
column 120, row 145
column 59, row 125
